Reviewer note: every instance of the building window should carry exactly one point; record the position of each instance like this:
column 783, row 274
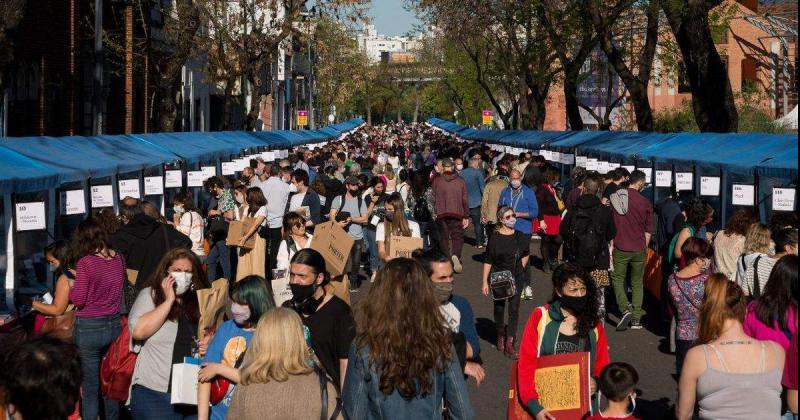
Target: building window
column 749, row 74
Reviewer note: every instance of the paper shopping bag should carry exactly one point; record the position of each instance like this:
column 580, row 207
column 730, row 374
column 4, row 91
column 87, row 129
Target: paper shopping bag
column 184, row 381
column 334, row 244
column 281, row 291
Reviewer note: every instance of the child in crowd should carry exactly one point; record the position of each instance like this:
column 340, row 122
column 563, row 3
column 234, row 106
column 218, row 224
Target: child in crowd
column 617, row 384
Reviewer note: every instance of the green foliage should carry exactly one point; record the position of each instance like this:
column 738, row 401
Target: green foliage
column 752, row 118
column 674, row 120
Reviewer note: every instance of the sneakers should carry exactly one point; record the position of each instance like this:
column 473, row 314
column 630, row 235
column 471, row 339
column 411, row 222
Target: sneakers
column 636, row 324
column 624, row 321
column 456, row 264
column 527, row 293
column 479, row 247
column 372, row 279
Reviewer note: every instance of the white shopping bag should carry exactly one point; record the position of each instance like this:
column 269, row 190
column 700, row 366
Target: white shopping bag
column 184, row 381
column 281, row 291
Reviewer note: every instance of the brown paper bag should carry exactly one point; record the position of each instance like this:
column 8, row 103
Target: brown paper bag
column 403, row 246
column 211, row 303
column 334, row 244
column 239, row 228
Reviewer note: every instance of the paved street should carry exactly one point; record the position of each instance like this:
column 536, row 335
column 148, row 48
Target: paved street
column 640, row 348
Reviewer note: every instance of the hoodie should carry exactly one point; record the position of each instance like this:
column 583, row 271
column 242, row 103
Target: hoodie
column 143, row 242
column 633, row 217
column 450, row 196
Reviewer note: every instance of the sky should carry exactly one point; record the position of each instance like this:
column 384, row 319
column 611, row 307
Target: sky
column 390, row 18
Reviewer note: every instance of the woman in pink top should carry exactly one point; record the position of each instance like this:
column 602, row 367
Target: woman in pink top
column 774, row 315
column 97, row 293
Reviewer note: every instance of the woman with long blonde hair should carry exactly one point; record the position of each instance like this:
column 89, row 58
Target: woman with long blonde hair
column 754, row 265
column 729, row 374
column 388, row 378
column 276, row 380
column 395, row 223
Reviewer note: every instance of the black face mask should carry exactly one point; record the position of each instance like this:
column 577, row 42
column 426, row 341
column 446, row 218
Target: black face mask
column 574, row 304
column 303, row 299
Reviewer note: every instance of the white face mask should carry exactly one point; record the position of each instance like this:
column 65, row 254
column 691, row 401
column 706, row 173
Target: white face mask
column 459, row 167
column 292, row 188
column 183, row 281
column 178, row 209
column 241, row 313
column 515, row 183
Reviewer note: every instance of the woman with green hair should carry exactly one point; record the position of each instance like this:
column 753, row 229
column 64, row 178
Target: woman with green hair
column 250, row 298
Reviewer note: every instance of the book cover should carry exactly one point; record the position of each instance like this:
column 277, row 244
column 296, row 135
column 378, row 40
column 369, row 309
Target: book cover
column 562, row 382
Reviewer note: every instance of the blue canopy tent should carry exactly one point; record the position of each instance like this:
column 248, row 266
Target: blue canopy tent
column 763, row 160
column 42, row 169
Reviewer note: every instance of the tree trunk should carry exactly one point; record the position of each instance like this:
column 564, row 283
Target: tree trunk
column 167, row 107
column 572, row 103
column 712, row 96
column 416, row 103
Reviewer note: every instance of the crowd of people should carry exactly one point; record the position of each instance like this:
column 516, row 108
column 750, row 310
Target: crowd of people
column 126, row 304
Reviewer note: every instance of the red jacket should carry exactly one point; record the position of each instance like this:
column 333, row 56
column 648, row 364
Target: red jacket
column 539, row 339
column 450, row 197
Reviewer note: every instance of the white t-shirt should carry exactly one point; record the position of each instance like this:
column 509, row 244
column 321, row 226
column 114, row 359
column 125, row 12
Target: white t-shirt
column 380, row 231
column 191, row 225
column 296, row 201
column 262, row 211
column 285, row 254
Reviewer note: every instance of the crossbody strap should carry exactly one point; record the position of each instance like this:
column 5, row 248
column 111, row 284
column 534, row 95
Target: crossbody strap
column 756, row 292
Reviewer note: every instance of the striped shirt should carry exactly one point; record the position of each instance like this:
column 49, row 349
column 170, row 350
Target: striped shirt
column 98, row 286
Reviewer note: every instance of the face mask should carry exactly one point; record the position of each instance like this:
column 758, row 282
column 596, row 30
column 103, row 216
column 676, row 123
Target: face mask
column 53, row 268
column 459, row 167
column 241, row 313
column 574, row 304
column 515, row 183
column 389, row 217
column 301, row 292
column 443, row 291
column 287, row 180
column 183, row 281
column 259, row 172
column 178, row 209
column 292, row 188
column 509, row 223
column 303, row 300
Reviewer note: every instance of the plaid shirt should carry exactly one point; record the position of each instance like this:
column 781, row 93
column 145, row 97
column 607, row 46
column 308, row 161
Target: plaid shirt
column 225, row 201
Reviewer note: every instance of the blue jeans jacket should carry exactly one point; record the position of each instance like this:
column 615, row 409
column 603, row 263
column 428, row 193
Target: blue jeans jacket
column 364, row 400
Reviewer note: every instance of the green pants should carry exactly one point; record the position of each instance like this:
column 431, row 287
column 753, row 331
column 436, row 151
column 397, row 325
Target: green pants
column 623, row 261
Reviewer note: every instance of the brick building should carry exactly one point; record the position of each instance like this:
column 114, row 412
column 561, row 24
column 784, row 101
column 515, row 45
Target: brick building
column 756, row 58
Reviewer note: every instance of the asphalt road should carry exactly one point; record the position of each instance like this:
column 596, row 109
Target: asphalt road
column 644, row 349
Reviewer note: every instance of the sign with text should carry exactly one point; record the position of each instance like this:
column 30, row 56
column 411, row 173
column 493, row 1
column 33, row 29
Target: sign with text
column 73, row 202
column 783, row 199
column 648, row 175
column 663, row 178
column 102, row 196
column 129, row 188
column 30, row 216
column 743, row 195
column 684, row 181
column 302, row 118
column 403, row 246
column 208, row 172
column 709, row 186
column 334, row 244
column 153, row 185
column 194, row 178
column 228, row 168
column 173, row 179
column 487, row 117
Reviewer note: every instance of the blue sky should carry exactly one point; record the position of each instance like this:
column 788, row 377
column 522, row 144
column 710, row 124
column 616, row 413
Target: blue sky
column 390, row 18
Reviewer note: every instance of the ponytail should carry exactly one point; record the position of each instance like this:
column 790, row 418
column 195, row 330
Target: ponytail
column 722, row 300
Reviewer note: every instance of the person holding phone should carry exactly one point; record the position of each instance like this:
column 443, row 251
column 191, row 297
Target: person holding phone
column 350, row 212
column 163, row 325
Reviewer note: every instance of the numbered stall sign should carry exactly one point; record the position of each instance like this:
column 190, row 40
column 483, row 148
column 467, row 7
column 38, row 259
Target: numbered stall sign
column 153, row 185
column 684, row 181
column 664, row 179
column 129, row 188
column 73, row 202
column 743, row 195
column 783, row 199
column 30, row 216
column 709, row 186
column 102, row 196
column 173, row 179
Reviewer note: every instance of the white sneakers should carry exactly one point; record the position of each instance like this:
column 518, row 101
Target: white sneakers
column 527, row 293
column 456, row 264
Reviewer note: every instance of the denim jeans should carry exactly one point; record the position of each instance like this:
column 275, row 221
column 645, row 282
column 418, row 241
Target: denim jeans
column 633, row 261
column 147, row 404
column 372, row 250
column 93, row 336
column 480, row 233
column 219, row 253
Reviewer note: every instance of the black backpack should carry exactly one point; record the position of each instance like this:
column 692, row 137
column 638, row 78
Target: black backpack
column 421, row 211
column 585, row 240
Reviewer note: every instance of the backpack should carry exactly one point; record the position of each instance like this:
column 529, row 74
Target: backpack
column 116, row 369
column 585, row 240
column 421, row 211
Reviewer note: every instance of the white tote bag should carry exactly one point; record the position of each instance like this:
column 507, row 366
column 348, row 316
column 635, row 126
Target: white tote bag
column 280, row 287
column 184, row 381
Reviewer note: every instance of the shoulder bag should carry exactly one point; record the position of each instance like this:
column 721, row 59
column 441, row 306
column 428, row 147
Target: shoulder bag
column 502, row 284
column 60, row 326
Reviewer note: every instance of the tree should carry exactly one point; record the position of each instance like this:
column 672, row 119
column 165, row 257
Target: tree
column 11, row 12
column 713, row 101
column 617, row 27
